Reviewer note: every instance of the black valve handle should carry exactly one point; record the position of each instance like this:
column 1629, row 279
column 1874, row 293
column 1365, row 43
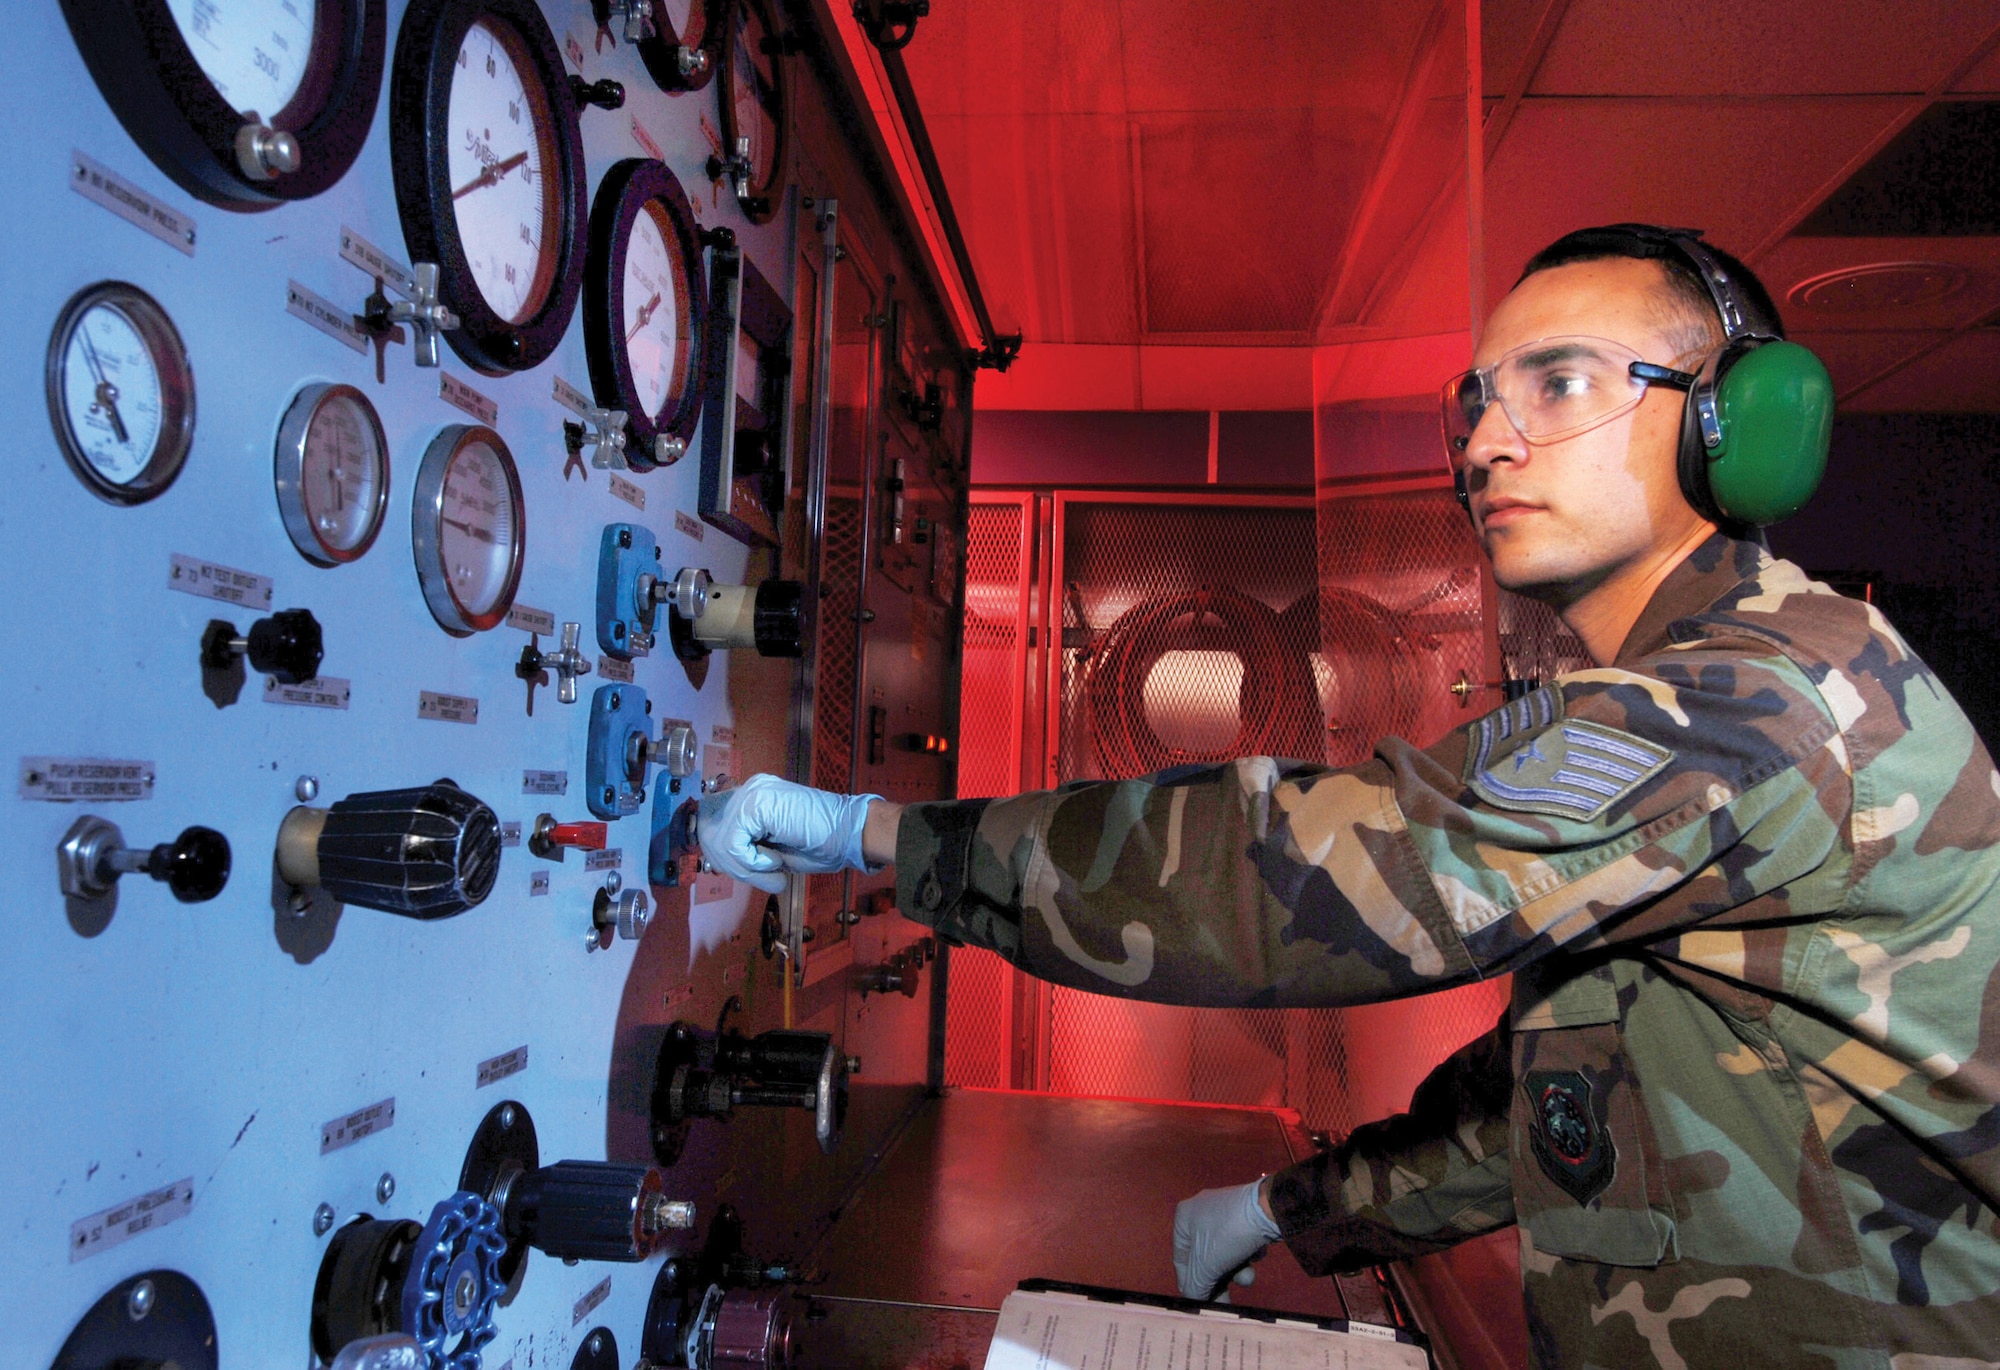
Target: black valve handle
column 195, row 865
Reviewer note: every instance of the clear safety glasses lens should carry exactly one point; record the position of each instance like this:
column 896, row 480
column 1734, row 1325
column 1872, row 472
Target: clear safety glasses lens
column 1550, row 389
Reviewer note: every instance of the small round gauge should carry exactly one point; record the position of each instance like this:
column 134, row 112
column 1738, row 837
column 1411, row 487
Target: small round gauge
column 642, row 313
column 245, row 103
column 121, row 392
column 677, row 55
column 489, row 173
column 332, row 473
column 754, row 97
column 468, row 528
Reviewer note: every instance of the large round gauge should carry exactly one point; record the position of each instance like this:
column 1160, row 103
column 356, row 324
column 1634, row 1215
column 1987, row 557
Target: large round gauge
column 332, row 473
column 754, row 98
column 245, row 103
column 121, row 392
column 468, row 528
column 489, row 170
column 677, row 56
column 643, row 309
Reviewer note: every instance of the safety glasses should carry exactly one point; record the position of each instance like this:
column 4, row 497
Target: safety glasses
column 1550, row 389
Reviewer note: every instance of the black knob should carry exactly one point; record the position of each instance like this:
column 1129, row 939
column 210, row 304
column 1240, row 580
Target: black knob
column 604, row 94
column 778, row 618
column 428, row 852
column 593, row 1211
column 286, row 645
column 195, row 865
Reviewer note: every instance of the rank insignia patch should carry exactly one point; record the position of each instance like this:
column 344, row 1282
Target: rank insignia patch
column 1526, row 755
column 1569, row 1138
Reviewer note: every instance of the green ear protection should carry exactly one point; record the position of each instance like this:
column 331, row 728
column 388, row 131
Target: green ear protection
column 1757, row 423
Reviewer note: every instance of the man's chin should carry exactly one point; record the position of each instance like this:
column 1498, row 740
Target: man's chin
column 1540, row 578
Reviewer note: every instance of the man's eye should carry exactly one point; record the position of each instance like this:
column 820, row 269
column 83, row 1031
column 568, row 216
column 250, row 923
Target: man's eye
column 1564, row 385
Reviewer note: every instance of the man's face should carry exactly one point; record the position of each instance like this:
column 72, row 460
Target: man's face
column 1557, row 519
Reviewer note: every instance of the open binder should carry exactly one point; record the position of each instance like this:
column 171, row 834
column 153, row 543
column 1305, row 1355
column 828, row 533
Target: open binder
column 1051, row 1325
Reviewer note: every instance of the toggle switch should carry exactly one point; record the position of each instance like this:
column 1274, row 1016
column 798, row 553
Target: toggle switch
column 92, row 855
column 705, row 617
column 616, row 911
column 428, row 852
column 702, row 1074
column 550, row 840
column 287, row 646
column 567, row 661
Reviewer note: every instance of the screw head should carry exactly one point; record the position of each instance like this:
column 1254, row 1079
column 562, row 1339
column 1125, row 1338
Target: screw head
column 596, row 1343
column 507, row 1116
column 139, row 1302
column 322, row 1220
column 307, row 788
column 385, row 1188
column 614, row 882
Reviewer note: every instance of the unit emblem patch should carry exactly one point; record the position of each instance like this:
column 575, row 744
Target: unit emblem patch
column 1568, row 1135
column 1526, row 755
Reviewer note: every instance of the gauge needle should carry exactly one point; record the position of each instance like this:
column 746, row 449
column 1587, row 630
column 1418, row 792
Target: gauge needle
column 493, row 172
column 107, row 393
column 645, row 316
column 477, row 534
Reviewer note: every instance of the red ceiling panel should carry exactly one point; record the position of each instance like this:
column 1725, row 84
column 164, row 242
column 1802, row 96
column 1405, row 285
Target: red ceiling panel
column 1852, row 359
column 1963, row 376
column 1185, row 55
column 1053, row 57
column 1506, row 34
column 1984, row 78
column 1733, row 168
column 1797, row 260
column 1772, row 47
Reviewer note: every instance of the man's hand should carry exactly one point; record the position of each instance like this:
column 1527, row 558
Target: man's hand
column 767, row 826
column 1217, row 1231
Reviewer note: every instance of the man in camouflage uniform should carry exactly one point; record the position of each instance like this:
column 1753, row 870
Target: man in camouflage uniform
column 1745, row 1106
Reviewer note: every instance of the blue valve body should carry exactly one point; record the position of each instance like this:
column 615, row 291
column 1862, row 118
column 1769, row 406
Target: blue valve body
column 616, row 712
column 625, row 552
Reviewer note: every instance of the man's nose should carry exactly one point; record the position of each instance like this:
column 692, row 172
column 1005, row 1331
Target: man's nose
column 1494, row 439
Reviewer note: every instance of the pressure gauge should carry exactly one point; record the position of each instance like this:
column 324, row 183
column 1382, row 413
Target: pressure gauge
column 467, row 526
column 677, row 55
column 753, row 106
column 121, row 392
column 643, row 311
column 244, row 103
column 489, row 173
column 332, row 473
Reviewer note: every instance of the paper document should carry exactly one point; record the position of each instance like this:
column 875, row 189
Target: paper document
column 1044, row 1328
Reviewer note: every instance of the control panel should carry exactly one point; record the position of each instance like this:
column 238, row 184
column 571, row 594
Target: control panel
column 452, row 436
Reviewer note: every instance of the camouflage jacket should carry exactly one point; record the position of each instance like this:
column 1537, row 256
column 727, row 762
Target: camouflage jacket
column 1745, row 1105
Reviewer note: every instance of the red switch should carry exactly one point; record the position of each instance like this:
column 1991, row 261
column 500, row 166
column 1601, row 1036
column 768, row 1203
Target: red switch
column 550, row 838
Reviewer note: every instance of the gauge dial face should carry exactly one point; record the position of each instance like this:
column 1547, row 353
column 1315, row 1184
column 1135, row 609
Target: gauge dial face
column 332, row 473
column 500, row 158
column 120, row 392
column 656, row 313
column 754, row 94
column 254, row 53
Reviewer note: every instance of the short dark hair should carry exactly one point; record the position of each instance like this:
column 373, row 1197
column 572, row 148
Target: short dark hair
column 1690, row 317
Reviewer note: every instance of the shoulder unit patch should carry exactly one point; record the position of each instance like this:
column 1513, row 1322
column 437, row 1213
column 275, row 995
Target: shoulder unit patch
column 1527, row 756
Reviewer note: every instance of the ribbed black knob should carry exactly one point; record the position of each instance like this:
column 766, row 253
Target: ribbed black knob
column 778, row 618
column 195, row 865
column 286, row 645
column 592, row 1211
column 426, row 853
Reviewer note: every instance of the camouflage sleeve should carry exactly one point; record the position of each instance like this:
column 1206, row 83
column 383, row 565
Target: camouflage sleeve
column 1412, row 1184
column 1614, row 804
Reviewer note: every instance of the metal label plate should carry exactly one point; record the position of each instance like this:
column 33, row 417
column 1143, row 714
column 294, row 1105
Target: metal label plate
column 323, row 314
column 572, row 399
column 531, row 620
column 510, row 834
column 610, row 859
column 321, row 692
column 122, row 1222
column 687, row 523
column 360, row 252
column 445, row 708
column 207, row 580
column 538, row 883
column 69, row 779
column 497, row 1068
column 459, row 395
column 544, row 782
column 100, row 185
column 629, row 492
column 350, row 1128
column 587, row 1305
column 611, row 668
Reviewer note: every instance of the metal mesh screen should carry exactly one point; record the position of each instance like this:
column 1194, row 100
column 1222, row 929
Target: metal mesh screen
column 833, row 701
column 1534, row 643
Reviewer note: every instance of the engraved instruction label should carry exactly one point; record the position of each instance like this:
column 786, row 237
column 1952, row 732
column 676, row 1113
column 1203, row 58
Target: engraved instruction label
column 495, row 1068
column 459, row 395
column 114, row 1226
column 687, row 523
column 531, row 620
column 447, row 708
column 675, row 997
column 363, row 1122
column 510, row 834
column 629, row 492
column 393, row 274
column 721, row 735
column 572, row 399
column 610, row 859
column 100, row 185
column 65, row 779
column 321, row 692
column 611, row 668
column 709, row 887
column 645, row 140
column 206, row 580
column 544, row 782
column 538, row 883
column 587, row 1305
column 323, row 314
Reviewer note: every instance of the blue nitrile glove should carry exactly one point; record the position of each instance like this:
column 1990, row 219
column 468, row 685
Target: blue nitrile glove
column 1215, row 1232
column 767, row 826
